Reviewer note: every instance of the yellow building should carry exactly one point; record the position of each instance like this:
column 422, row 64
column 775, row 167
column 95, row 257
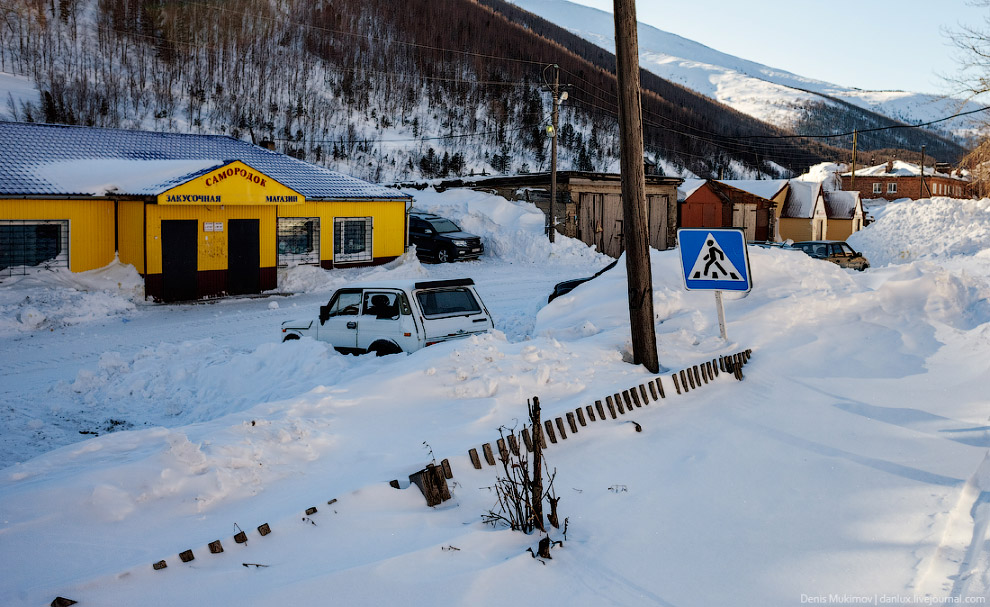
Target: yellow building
column 845, row 213
column 196, row 215
column 803, row 215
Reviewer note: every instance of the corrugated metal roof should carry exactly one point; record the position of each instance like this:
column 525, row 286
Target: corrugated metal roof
column 51, row 159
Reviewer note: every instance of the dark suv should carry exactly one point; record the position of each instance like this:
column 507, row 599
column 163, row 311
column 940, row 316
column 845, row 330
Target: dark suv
column 441, row 240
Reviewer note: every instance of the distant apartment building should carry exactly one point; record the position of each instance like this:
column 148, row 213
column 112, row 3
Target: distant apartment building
column 898, row 179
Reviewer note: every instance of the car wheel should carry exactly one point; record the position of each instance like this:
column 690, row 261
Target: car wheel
column 290, row 337
column 443, row 256
column 384, row 348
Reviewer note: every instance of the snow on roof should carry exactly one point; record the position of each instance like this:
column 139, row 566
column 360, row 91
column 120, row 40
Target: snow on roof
column 841, row 204
column 764, row 188
column 690, row 186
column 801, row 199
column 50, row 159
column 899, row 168
column 100, row 176
column 821, row 171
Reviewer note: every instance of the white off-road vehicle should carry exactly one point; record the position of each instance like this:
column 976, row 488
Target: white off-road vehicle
column 394, row 316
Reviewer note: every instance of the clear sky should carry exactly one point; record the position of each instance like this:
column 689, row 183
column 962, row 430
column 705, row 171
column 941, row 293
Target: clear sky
column 869, row 44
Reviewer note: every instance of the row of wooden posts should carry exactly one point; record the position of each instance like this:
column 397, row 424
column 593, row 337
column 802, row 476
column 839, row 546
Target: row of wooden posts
column 216, row 547
column 432, row 479
column 613, row 406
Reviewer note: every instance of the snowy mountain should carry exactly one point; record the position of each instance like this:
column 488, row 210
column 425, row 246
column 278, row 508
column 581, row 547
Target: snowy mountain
column 439, row 89
column 773, row 95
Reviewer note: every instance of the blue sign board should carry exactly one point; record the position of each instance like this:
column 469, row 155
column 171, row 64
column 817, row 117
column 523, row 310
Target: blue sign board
column 714, row 259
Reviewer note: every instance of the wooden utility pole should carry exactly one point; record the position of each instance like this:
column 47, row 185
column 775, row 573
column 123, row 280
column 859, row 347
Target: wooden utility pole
column 634, row 228
column 921, row 192
column 553, row 154
column 852, row 176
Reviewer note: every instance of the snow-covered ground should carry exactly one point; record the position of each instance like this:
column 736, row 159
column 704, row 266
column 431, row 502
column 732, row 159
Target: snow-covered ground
column 851, row 462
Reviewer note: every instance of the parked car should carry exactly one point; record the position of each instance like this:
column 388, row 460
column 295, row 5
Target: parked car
column 836, row 251
column 565, row 287
column 768, row 244
column 441, row 240
column 395, row 316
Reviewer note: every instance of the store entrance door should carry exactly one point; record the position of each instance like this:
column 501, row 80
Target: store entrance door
column 179, row 259
column 243, row 257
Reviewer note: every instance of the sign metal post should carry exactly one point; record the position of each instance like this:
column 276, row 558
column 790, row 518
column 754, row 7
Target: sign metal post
column 715, row 259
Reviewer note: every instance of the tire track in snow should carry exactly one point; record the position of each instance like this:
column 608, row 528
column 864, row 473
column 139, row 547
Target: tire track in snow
column 963, row 541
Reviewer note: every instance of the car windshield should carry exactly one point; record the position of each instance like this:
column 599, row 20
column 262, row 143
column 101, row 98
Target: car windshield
column 443, row 226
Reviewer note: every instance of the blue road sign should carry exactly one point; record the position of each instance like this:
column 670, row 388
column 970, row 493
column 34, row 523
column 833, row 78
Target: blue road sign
column 714, row 259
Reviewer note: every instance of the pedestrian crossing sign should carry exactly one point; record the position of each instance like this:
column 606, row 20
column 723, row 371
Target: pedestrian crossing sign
column 714, row 259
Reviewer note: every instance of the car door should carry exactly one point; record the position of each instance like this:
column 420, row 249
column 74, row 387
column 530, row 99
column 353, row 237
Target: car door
column 852, row 258
column 421, row 234
column 339, row 319
column 380, row 318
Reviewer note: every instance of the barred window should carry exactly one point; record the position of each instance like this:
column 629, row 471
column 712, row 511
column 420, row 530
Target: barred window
column 351, row 239
column 298, row 240
column 25, row 244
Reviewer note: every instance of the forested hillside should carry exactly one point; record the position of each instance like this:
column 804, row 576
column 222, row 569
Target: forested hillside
column 384, row 91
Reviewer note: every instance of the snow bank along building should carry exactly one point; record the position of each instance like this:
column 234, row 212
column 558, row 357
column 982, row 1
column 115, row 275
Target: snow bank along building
column 589, row 204
column 197, row 215
column 899, row 179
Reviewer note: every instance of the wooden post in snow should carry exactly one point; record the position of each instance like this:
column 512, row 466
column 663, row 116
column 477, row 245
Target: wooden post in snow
column 634, row 228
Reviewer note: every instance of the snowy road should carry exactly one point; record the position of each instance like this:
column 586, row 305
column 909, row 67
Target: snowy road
column 47, row 406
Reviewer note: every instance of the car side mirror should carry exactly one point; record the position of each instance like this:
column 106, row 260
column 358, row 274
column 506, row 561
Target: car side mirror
column 324, row 314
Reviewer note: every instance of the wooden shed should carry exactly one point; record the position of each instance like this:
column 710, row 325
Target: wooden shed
column 589, row 205
column 845, row 214
column 196, row 215
column 746, row 204
column 803, row 215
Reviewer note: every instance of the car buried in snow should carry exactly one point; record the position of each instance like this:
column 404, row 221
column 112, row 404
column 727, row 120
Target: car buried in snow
column 837, row 251
column 393, row 316
column 566, row 286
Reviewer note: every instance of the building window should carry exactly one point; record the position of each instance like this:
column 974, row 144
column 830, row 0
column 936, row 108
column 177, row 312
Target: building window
column 351, row 239
column 25, row 244
column 877, row 188
column 892, row 187
column 298, row 240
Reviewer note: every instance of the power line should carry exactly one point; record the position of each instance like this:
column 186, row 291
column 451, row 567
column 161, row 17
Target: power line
column 415, row 139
